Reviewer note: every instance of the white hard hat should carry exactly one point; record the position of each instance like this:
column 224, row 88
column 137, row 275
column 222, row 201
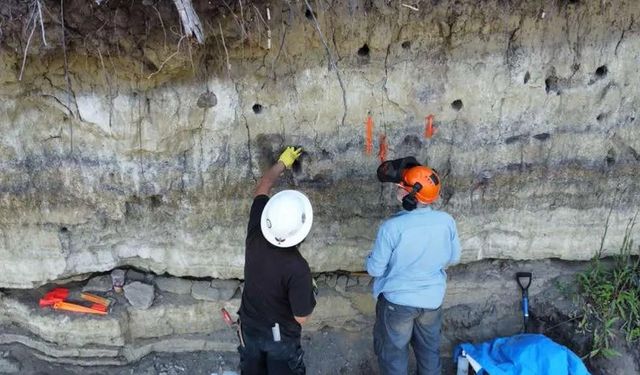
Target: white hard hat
column 286, row 219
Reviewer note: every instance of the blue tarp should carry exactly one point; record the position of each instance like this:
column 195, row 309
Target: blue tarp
column 525, row 354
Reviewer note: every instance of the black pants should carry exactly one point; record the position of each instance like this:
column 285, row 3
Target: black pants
column 261, row 355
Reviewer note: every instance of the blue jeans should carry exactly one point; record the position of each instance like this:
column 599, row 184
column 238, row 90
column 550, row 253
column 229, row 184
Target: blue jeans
column 395, row 327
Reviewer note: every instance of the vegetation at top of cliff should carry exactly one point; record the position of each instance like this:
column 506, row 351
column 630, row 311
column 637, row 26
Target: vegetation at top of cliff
column 609, row 298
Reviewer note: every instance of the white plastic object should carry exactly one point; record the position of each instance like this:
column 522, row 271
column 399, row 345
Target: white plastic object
column 463, row 366
column 276, row 332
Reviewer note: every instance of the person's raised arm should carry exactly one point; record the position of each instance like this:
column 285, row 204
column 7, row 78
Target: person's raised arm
column 270, row 177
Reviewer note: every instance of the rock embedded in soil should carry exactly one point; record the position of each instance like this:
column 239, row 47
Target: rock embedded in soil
column 226, row 288
column 98, row 284
column 202, row 290
column 175, row 285
column 139, row 295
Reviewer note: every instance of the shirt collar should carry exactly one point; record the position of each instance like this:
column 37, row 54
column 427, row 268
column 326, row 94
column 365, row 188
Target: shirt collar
column 417, row 210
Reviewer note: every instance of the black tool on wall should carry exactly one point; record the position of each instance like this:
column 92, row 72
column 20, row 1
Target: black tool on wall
column 524, row 280
column 297, row 164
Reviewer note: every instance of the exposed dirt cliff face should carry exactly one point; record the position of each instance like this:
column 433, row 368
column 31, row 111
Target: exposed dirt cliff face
column 135, row 146
column 126, row 143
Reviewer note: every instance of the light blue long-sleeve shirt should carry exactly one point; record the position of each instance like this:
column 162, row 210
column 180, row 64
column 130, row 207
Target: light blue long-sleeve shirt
column 411, row 251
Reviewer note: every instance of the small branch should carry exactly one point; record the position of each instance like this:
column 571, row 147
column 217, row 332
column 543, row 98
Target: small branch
column 164, row 31
column 26, row 49
column 240, row 24
column 225, row 47
column 70, row 112
column 411, row 7
column 104, row 70
column 44, row 40
column 265, row 24
column 193, row 67
column 275, row 60
column 167, row 59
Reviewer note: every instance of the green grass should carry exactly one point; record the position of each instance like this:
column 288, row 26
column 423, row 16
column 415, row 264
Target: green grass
column 609, row 298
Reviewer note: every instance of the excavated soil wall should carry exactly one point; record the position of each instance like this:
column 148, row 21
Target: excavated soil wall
column 126, row 143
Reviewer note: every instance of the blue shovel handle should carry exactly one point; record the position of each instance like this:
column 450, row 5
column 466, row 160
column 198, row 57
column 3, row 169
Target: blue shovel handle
column 524, row 280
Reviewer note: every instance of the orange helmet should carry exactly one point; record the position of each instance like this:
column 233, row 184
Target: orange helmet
column 427, row 178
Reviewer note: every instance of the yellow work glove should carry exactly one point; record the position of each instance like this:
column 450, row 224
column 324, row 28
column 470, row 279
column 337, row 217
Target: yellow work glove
column 290, row 155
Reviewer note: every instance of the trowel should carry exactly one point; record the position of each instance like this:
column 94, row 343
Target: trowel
column 233, row 325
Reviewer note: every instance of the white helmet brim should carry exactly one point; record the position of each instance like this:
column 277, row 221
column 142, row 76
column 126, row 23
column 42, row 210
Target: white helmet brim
column 271, row 212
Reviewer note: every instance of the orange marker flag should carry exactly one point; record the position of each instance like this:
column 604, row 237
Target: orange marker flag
column 382, row 153
column 368, row 142
column 79, row 308
column 429, row 130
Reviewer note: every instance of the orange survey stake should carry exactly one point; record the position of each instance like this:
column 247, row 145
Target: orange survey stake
column 429, row 130
column 95, row 299
column 368, row 142
column 79, row 308
column 53, row 296
column 382, row 153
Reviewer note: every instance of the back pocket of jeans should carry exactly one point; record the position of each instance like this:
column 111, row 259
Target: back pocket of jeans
column 399, row 326
column 430, row 317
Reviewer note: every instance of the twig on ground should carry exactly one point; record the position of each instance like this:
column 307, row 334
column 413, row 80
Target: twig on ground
column 412, row 7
